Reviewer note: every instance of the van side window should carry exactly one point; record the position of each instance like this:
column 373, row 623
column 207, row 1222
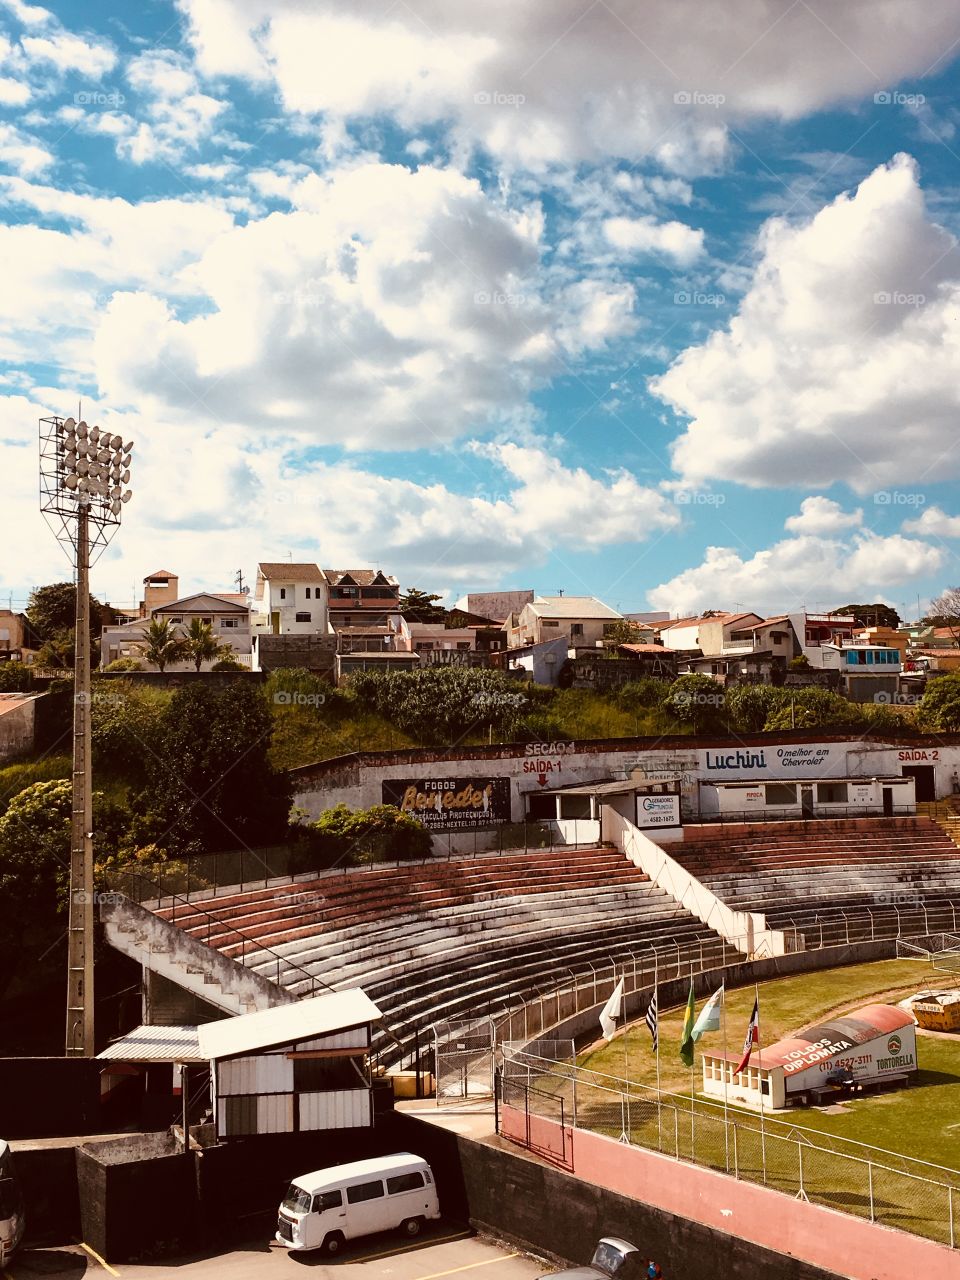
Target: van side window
column 404, row 1182
column 327, row 1200
column 364, row 1191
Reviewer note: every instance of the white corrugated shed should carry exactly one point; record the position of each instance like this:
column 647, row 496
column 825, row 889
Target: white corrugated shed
column 271, row 1073
column 155, row 1044
column 275, row 1113
column 356, row 1038
column 287, row 1023
column 335, row 1109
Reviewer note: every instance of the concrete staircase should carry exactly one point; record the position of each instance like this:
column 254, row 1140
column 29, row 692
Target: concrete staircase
column 945, row 814
column 168, row 951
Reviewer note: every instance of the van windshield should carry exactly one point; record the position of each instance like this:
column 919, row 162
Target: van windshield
column 296, row 1200
column 10, row 1202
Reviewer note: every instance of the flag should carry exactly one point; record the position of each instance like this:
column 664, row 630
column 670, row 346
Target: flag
column 686, row 1043
column 751, row 1038
column 652, row 1021
column 709, row 1019
column 611, row 1012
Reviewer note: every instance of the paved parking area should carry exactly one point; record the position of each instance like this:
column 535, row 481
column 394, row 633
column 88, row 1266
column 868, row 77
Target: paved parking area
column 446, row 1249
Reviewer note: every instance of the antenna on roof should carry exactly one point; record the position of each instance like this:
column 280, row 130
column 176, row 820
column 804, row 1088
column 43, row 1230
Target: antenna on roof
column 239, row 581
column 559, row 591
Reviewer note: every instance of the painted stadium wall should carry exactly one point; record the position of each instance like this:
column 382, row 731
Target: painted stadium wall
column 504, row 776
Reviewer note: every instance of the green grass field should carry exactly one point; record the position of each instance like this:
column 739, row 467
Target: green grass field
column 919, row 1123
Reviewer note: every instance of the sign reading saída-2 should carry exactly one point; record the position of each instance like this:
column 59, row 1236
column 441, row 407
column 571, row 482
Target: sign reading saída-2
column 449, row 804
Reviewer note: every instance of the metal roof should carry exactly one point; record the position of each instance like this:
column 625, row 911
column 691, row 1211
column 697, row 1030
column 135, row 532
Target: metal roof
column 287, row 1023
column 803, row 1049
column 155, row 1044
column 321, row 1179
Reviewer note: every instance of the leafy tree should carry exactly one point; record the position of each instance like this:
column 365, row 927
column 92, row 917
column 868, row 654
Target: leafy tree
column 815, row 708
column 420, row 606
column 35, row 843
column 695, row 700
column 940, row 705
column 201, row 645
column 210, row 784
column 124, row 664
column 52, row 609
column 161, row 644
column 58, row 650
column 800, row 663
column 381, row 833
column 227, row 663
column 945, row 612
column 749, row 706
column 443, row 704
column 622, row 632
column 126, row 727
column 642, row 694
column 872, row 615
column 14, row 677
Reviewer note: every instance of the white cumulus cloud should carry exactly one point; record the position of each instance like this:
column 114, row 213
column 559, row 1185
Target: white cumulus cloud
column 822, row 515
column 935, row 523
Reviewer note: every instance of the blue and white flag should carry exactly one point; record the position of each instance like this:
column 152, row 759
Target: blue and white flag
column 709, row 1019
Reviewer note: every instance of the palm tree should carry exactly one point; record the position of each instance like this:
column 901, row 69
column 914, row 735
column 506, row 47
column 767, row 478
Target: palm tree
column 161, row 644
column 202, row 645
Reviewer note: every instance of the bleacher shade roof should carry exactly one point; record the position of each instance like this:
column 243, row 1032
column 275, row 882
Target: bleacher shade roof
column 155, row 1044
column 303, row 1020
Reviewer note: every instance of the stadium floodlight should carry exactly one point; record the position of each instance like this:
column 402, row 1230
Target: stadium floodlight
column 82, row 501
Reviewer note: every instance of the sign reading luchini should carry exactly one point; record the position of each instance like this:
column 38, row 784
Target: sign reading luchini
column 451, row 804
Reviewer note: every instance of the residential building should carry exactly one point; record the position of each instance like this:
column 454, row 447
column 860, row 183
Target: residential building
column 228, row 617
column 815, row 630
column 496, row 606
column 869, row 672
column 581, row 620
column 541, row 662
column 17, row 640
column 159, row 588
column 713, row 633
column 422, row 637
column 361, row 597
column 291, row 599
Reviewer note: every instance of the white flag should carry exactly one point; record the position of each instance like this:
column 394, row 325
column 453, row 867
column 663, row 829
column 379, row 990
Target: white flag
column 709, row 1019
column 611, row 1012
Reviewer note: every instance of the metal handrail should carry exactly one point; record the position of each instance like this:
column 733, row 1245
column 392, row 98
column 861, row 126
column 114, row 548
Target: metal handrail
column 259, row 946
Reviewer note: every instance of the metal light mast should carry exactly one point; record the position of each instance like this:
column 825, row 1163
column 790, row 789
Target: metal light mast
column 83, row 471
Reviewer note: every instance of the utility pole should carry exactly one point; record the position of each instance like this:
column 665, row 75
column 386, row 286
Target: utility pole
column 238, row 579
column 83, row 471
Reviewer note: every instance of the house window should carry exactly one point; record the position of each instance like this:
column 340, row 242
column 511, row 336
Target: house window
column 207, row 622
column 307, row 592
column 576, row 629
column 574, row 806
column 231, row 623
column 174, row 621
column 303, row 617
column 463, row 644
column 283, row 593
column 547, row 623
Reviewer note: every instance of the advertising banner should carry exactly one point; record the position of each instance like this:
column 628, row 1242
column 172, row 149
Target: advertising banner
column 451, row 804
column 658, row 811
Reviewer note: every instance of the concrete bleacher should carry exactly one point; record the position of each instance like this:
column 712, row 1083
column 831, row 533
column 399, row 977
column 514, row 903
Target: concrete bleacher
column 452, row 939
column 802, row 874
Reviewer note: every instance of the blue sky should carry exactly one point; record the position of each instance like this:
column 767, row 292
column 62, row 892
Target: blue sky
column 660, row 307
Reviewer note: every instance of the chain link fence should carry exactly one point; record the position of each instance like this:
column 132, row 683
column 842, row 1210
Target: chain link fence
column 882, row 1186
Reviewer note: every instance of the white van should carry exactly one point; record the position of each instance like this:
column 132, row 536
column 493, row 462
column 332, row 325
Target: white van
column 323, row 1210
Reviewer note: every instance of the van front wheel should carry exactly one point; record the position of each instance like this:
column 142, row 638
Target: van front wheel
column 332, row 1243
column 412, row 1227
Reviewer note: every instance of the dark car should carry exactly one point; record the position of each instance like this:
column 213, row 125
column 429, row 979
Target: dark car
column 613, row 1259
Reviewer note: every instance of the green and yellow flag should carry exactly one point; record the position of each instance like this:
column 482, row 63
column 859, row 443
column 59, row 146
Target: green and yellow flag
column 687, row 1041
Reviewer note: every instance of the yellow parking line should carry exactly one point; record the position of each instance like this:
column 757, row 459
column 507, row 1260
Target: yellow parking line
column 418, row 1244
column 469, row 1266
column 96, row 1257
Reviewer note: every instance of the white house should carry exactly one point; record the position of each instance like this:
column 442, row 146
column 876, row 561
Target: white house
column 291, row 599
column 227, row 616
column 583, row 620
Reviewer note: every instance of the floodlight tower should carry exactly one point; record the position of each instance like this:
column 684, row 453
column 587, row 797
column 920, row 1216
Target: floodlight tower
column 83, row 474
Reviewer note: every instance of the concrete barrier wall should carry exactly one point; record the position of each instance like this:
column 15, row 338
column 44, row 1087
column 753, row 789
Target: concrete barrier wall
column 808, row 1232
column 747, row 931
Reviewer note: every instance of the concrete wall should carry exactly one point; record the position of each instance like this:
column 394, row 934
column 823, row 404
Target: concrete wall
column 17, row 724
column 308, row 652
column 48, row 1177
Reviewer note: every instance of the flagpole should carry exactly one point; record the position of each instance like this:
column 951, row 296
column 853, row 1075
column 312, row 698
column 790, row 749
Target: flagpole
column 656, row 999
column 726, row 1072
column 763, row 1132
column 693, row 1069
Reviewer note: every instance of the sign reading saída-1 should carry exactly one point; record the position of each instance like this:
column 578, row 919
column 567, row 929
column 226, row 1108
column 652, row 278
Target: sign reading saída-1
column 450, row 804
